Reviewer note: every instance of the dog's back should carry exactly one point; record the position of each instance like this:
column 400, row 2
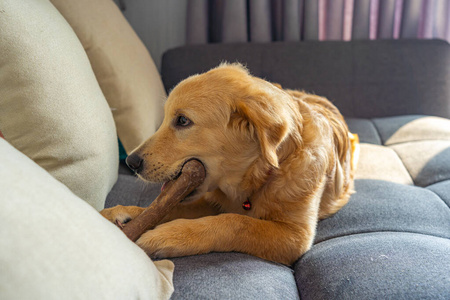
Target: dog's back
column 340, row 185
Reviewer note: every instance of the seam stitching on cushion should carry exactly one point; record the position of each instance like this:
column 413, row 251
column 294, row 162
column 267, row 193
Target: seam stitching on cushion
column 377, row 131
column 379, row 231
column 437, row 193
column 439, row 181
column 414, row 141
column 406, row 168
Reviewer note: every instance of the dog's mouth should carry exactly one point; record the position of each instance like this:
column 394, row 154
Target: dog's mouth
column 177, row 174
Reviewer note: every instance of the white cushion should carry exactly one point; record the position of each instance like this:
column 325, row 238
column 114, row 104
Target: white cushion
column 123, row 66
column 51, row 106
column 55, row 246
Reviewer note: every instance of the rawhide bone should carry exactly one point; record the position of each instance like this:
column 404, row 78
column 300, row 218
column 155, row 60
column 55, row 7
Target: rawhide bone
column 192, row 175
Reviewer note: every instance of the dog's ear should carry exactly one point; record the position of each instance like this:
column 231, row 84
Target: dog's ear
column 266, row 123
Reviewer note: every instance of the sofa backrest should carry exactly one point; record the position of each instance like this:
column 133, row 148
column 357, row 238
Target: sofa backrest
column 363, row 78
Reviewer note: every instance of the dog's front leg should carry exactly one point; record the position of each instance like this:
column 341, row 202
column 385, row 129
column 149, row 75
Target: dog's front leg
column 276, row 241
column 120, row 215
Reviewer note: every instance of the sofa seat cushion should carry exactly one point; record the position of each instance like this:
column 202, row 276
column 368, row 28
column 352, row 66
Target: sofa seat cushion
column 380, row 206
column 426, row 161
column 409, row 128
column 366, row 130
column 232, row 276
column 442, row 189
column 378, row 265
column 381, row 163
column 129, row 190
column 421, row 144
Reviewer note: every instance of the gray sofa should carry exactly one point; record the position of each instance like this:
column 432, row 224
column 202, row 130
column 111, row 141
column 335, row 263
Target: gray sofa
column 392, row 240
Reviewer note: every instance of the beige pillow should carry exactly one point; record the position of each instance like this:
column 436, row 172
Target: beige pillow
column 51, row 107
column 55, row 246
column 123, row 67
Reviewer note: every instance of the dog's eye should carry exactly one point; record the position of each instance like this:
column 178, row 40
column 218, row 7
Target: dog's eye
column 182, row 121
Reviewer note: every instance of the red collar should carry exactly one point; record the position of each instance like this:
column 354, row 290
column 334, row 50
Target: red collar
column 247, row 205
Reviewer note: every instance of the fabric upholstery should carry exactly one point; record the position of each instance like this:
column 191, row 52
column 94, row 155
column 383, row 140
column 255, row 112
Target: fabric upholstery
column 129, row 190
column 380, row 265
column 380, row 206
column 232, row 276
column 442, row 189
column 427, row 161
column 51, row 107
column 123, row 67
column 365, row 129
column 381, row 163
column 364, row 79
column 420, row 143
column 56, row 246
column 412, row 128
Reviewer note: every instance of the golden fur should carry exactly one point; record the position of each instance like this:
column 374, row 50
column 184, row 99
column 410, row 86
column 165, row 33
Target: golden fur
column 288, row 152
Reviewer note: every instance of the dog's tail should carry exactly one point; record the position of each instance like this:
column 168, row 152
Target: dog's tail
column 354, row 144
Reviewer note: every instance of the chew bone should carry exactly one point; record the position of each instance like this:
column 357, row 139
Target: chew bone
column 192, row 175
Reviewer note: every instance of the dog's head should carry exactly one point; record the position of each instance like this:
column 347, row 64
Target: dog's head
column 227, row 119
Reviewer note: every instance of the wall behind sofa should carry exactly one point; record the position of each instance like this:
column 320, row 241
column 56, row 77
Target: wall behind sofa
column 160, row 24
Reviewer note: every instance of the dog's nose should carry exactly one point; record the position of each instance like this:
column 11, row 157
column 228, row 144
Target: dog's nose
column 134, row 162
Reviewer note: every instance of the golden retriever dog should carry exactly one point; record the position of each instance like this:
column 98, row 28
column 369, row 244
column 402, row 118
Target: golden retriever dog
column 276, row 162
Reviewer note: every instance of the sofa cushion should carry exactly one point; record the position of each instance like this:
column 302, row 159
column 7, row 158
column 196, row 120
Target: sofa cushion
column 129, row 190
column 379, row 265
column 410, row 128
column 388, row 207
column 421, row 144
column 51, row 107
column 427, row 161
column 442, row 189
column 56, row 246
column 232, row 276
column 123, row 67
column 381, row 163
column 366, row 130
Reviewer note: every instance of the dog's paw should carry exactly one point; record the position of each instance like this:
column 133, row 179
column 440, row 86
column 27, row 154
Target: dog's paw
column 176, row 238
column 121, row 215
